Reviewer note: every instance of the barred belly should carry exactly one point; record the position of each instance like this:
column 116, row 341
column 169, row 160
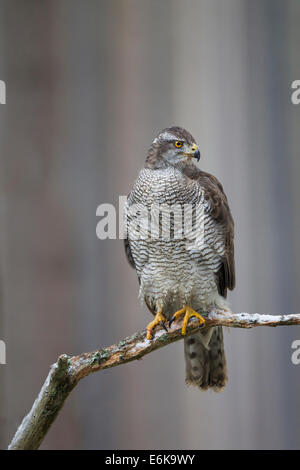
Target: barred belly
column 173, row 273
column 172, row 278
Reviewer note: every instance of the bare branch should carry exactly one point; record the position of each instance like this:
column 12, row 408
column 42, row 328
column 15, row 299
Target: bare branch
column 68, row 371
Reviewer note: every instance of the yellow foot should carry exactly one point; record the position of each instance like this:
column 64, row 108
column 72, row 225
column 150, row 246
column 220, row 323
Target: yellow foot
column 188, row 313
column 158, row 320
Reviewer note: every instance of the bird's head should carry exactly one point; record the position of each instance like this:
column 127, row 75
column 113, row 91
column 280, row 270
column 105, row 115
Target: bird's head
column 172, row 146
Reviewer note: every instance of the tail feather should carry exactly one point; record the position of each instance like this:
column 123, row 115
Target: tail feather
column 205, row 359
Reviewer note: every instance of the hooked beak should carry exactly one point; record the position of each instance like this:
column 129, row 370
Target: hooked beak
column 194, row 153
column 197, row 155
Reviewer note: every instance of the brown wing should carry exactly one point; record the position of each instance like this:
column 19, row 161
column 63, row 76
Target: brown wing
column 219, row 209
column 127, row 249
column 128, row 253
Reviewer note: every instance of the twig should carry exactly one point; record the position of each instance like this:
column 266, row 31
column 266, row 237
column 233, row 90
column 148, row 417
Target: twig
column 65, row 374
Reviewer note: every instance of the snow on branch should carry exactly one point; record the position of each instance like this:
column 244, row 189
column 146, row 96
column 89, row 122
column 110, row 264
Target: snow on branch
column 65, row 374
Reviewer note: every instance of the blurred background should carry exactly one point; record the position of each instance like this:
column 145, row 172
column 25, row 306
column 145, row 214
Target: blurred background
column 89, row 85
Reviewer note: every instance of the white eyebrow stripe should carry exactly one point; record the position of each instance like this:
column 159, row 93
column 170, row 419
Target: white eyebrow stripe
column 165, row 136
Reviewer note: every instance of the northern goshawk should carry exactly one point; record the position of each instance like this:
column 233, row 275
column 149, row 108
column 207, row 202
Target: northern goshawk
column 178, row 275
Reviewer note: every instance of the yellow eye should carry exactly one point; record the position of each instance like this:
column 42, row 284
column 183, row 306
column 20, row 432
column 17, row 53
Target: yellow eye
column 178, row 144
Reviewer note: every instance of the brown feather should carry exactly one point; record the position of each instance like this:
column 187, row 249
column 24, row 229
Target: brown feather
column 219, row 209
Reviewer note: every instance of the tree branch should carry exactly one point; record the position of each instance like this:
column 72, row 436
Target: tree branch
column 65, row 374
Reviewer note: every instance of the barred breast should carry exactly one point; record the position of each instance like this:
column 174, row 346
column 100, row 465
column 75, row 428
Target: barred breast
column 173, row 272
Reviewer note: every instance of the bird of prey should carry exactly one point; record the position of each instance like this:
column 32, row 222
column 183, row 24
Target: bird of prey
column 177, row 276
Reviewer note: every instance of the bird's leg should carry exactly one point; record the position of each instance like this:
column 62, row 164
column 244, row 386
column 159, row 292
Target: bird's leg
column 159, row 319
column 188, row 313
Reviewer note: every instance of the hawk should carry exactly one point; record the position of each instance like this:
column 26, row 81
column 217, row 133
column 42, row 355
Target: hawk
column 177, row 276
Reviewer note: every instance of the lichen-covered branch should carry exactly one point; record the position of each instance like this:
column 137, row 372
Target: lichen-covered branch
column 68, row 371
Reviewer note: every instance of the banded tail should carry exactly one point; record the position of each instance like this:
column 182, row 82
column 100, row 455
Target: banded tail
column 205, row 359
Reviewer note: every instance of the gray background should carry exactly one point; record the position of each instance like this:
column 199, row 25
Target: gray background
column 89, row 84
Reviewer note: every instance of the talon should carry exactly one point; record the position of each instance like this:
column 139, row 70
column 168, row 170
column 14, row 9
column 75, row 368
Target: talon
column 164, row 326
column 158, row 320
column 188, row 313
